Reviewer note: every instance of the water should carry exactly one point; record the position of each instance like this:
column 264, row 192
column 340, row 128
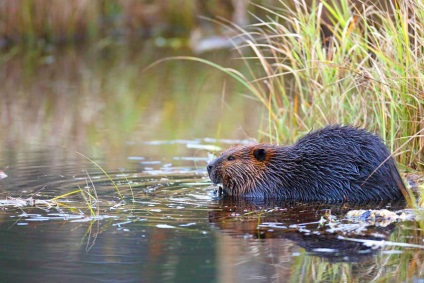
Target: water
column 63, row 220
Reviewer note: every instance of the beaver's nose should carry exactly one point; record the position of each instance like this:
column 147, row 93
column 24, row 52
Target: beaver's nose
column 209, row 167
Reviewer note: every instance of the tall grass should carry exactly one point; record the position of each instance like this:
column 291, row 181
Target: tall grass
column 369, row 72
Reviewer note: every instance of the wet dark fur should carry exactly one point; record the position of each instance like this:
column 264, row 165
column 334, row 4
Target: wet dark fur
column 336, row 163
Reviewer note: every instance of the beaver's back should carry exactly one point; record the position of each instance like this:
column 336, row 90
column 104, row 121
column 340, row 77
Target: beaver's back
column 352, row 163
column 336, row 163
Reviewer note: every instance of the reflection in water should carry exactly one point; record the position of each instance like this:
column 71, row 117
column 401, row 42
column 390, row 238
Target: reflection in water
column 99, row 99
column 159, row 235
column 174, row 230
column 152, row 131
column 280, row 242
column 49, row 252
column 100, row 102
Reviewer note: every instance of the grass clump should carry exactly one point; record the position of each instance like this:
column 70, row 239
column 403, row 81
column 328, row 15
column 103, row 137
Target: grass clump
column 333, row 62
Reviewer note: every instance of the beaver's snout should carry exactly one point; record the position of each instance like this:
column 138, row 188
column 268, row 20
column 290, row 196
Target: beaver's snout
column 212, row 172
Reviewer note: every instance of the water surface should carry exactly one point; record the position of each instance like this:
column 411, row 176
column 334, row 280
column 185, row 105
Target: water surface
column 152, row 132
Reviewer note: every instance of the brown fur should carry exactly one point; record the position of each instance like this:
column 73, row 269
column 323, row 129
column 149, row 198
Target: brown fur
column 333, row 164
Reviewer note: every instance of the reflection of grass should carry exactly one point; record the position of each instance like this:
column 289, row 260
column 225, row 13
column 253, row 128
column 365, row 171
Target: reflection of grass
column 396, row 264
column 406, row 264
column 99, row 105
column 320, row 270
column 391, row 257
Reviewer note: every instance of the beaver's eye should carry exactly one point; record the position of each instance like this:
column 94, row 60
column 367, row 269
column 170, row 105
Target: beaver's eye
column 230, row 158
column 259, row 154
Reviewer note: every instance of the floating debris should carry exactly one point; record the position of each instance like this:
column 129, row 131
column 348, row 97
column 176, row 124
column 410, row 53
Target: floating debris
column 22, row 202
column 121, row 223
column 381, row 217
column 2, row 175
column 379, row 244
column 165, row 226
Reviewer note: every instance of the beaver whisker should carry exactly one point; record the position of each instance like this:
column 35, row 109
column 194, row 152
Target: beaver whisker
column 336, row 163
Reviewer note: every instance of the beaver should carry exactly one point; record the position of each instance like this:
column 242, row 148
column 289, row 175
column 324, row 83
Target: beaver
column 334, row 164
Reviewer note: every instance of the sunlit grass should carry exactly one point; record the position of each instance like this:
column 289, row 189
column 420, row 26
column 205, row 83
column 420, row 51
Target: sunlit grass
column 369, row 73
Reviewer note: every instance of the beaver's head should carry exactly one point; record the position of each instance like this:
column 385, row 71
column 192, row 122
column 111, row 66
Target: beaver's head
column 243, row 170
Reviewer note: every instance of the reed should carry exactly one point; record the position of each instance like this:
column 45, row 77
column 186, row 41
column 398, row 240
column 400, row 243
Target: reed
column 369, row 72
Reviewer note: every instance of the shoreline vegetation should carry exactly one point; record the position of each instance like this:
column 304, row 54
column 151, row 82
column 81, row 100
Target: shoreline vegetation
column 363, row 69
column 49, row 22
column 45, row 21
column 311, row 63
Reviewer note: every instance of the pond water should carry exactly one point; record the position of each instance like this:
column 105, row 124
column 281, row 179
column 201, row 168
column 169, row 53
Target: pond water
column 67, row 115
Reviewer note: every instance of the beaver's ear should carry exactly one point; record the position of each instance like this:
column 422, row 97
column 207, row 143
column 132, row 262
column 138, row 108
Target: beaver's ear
column 259, row 154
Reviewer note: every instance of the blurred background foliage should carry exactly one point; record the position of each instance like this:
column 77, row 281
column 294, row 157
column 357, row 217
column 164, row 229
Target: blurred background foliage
column 74, row 73
column 64, row 21
column 309, row 63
